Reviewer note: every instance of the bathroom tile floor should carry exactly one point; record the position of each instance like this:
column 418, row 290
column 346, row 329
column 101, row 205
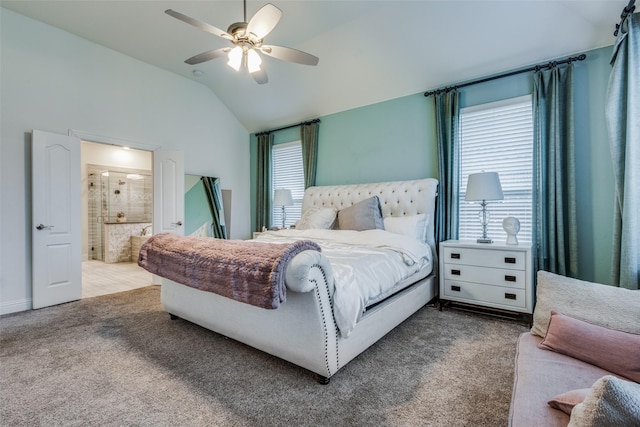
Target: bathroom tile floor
column 100, row 278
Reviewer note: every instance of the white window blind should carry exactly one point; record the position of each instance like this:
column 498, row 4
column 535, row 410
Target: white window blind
column 498, row 137
column 287, row 172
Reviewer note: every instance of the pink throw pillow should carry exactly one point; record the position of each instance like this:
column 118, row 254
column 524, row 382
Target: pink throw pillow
column 616, row 351
column 566, row 401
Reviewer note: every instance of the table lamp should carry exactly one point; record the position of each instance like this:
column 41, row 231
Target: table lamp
column 282, row 197
column 483, row 187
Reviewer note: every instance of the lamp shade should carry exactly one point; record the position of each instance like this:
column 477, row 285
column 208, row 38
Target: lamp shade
column 483, row 186
column 235, row 58
column 282, row 197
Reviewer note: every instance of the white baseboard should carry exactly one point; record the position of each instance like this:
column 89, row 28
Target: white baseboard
column 15, row 306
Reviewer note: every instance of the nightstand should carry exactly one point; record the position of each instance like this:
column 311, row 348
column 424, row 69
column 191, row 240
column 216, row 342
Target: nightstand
column 493, row 275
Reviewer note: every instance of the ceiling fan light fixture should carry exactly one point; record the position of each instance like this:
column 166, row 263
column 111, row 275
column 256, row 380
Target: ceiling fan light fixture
column 253, row 61
column 247, row 40
column 235, row 58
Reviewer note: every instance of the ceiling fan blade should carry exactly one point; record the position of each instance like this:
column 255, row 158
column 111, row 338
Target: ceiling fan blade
column 208, row 55
column 291, row 55
column 264, row 20
column 260, row 76
column 198, row 24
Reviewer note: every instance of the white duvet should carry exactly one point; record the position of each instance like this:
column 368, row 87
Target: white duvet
column 366, row 265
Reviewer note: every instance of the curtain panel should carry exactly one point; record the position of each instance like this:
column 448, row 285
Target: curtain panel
column 263, row 187
column 554, row 192
column 309, row 137
column 447, row 110
column 623, row 122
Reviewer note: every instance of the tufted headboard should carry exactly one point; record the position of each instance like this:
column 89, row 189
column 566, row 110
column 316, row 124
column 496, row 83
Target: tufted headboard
column 397, row 198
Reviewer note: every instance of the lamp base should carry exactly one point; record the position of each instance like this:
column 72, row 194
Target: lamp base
column 484, row 241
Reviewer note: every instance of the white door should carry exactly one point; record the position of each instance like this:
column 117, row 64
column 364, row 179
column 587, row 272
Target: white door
column 168, row 192
column 56, row 234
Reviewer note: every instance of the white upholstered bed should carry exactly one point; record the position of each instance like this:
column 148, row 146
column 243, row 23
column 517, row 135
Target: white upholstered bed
column 302, row 330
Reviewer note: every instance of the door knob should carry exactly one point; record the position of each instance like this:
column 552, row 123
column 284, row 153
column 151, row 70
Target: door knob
column 179, row 223
column 42, row 227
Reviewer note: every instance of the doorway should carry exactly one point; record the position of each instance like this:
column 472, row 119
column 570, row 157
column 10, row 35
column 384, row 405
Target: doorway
column 117, row 208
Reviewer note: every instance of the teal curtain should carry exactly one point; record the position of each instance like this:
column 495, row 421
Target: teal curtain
column 623, row 121
column 309, row 137
column 555, row 234
column 263, row 187
column 214, row 199
column 447, row 110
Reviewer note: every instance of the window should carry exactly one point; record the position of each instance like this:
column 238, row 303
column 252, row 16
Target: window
column 287, row 172
column 498, row 137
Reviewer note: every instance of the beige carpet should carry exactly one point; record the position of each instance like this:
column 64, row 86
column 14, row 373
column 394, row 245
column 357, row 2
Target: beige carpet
column 118, row 360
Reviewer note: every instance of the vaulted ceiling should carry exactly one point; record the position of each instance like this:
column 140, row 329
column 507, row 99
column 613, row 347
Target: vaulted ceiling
column 370, row 51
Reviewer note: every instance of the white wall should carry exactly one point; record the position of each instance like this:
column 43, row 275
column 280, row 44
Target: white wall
column 55, row 81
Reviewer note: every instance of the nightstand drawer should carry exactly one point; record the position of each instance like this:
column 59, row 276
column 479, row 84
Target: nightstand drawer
column 485, row 275
column 477, row 293
column 485, row 257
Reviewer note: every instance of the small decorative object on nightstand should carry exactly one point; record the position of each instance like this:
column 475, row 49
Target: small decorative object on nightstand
column 481, row 187
column 511, row 226
column 498, row 276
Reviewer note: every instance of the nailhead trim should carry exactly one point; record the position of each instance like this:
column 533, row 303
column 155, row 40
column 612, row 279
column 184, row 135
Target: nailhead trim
column 324, row 320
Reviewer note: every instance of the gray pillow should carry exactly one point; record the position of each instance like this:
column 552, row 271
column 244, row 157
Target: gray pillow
column 364, row 215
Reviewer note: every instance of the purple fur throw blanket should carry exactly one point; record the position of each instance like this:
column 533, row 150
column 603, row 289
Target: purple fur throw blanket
column 244, row 270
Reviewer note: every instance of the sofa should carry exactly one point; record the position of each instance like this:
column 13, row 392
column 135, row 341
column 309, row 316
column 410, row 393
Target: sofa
column 579, row 365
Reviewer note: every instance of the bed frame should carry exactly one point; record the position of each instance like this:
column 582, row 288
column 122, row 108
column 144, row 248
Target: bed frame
column 302, row 330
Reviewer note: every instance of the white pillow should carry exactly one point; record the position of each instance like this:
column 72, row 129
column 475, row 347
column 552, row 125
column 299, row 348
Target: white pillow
column 317, row 218
column 413, row 225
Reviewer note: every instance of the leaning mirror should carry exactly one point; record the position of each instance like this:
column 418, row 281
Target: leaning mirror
column 204, row 211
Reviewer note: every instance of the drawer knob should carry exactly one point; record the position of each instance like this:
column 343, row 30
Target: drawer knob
column 455, row 256
column 455, row 272
column 455, row 288
column 509, row 260
column 509, row 296
column 508, row 278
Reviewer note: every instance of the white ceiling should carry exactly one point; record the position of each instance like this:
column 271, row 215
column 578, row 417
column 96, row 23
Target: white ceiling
column 370, row 51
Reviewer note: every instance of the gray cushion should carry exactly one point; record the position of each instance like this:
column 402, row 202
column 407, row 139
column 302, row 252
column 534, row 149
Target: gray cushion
column 608, row 306
column 364, row 215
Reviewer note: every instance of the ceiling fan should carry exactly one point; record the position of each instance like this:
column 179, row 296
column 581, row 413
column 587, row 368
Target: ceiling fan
column 247, row 42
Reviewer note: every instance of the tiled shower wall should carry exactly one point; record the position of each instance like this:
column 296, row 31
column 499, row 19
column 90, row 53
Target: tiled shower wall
column 116, row 193
column 95, row 217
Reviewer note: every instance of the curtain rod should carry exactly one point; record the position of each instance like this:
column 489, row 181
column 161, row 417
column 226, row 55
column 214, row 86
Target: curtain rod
column 288, row 127
column 548, row 65
column 628, row 10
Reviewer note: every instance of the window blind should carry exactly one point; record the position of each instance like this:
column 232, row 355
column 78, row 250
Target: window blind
column 498, row 137
column 287, row 172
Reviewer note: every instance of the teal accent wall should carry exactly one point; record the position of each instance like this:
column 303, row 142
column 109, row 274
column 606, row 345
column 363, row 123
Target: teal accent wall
column 196, row 209
column 395, row 140
column 389, row 141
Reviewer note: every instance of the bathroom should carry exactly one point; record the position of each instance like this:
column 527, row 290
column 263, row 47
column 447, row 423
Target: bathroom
column 117, row 204
column 120, row 209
